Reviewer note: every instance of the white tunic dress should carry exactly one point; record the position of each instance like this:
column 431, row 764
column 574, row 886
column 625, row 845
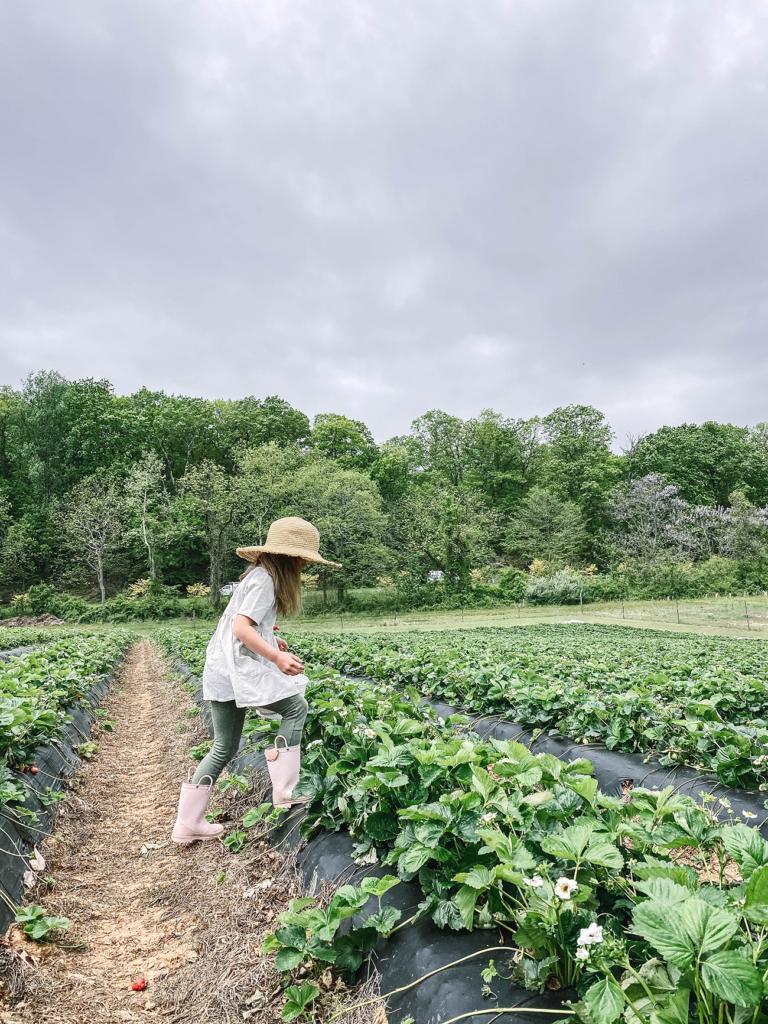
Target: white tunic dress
column 232, row 672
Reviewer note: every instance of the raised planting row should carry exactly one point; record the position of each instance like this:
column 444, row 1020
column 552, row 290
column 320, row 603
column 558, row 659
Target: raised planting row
column 694, row 700
column 653, row 909
column 48, row 701
column 38, row 691
column 30, row 636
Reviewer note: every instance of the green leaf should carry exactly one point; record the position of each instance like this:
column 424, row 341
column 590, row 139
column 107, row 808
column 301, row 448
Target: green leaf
column 664, row 890
column 483, row 783
column 662, row 926
column 415, row 857
column 294, row 935
column 466, row 898
column 288, row 958
column 569, row 844
column 585, row 787
column 674, row 1010
column 601, row 852
column 507, row 873
column 479, row 878
column 270, row 943
column 538, row 799
column 378, row 886
column 733, row 978
column 255, row 815
column 746, row 846
column 297, row 999
column 382, row 826
column 385, row 920
column 604, row 1002
column 709, row 927
column 756, row 897
column 678, row 873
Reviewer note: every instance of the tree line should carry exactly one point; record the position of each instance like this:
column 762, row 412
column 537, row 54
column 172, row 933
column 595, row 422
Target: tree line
column 99, row 490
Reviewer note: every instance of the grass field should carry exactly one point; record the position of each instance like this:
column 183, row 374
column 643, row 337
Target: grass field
column 711, row 616
column 714, row 616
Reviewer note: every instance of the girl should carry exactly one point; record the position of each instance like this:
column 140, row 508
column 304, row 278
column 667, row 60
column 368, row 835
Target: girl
column 246, row 666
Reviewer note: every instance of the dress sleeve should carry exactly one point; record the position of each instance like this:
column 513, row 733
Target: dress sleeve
column 259, row 597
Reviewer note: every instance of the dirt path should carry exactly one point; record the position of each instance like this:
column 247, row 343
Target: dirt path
column 187, row 919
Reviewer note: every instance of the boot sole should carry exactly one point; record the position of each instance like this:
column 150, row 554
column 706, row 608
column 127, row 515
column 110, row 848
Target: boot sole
column 193, row 839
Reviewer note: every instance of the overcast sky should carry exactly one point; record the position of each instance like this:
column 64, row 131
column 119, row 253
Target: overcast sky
column 379, row 207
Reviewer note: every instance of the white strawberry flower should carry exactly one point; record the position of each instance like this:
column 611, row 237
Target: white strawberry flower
column 582, row 953
column 536, row 882
column 564, row 887
column 370, row 733
column 487, row 818
column 591, row 935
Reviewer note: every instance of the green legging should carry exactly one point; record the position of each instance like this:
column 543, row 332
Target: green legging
column 228, row 721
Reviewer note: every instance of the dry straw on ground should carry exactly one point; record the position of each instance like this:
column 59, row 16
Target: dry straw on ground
column 187, row 919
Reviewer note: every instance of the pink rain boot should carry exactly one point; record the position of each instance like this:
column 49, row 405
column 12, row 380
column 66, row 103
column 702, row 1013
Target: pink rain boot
column 283, row 764
column 193, row 803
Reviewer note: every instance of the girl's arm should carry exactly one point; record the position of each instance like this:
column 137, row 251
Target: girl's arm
column 287, row 663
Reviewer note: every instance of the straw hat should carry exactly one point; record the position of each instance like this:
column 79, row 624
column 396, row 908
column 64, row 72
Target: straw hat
column 290, row 536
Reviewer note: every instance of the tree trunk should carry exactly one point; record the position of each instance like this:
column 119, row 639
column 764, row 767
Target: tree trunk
column 148, row 546
column 100, row 572
column 214, row 553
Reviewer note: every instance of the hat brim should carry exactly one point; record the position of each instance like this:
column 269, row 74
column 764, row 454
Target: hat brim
column 251, row 554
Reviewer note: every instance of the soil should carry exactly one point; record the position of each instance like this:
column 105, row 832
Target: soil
column 189, row 920
column 33, row 620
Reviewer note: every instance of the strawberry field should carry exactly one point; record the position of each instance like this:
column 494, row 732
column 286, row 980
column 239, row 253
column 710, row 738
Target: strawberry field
column 650, row 908
column 694, row 700
column 27, row 636
column 39, row 689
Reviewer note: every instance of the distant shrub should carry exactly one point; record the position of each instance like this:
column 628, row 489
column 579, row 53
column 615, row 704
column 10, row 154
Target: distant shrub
column 562, row 587
column 513, row 583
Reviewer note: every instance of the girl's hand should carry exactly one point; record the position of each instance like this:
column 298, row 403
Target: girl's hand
column 281, row 643
column 289, row 664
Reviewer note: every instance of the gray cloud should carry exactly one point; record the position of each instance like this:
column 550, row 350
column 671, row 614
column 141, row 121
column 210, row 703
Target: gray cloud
column 380, row 208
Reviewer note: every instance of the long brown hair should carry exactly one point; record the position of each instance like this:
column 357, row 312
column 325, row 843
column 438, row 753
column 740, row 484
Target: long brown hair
column 285, row 571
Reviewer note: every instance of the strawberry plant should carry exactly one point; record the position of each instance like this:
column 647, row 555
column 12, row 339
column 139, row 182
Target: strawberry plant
column 591, row 891
column 37, row 924
column 701, row 701
column 38, row 689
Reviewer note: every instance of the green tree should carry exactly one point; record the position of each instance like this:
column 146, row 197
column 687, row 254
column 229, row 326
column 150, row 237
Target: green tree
column 547, row 526
column 447, row 529
column 67, row 432
column 393, row 469
column 495, row 457
column 706, row 462
column 579, row 463
column 265, row 484
column 19, row 550
column 348, row 442
column 215, row 500
column 440, row 445
column 91, row 515
column 346, row 507
column 148, row 503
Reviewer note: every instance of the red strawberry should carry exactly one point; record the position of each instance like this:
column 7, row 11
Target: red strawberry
column 139, row 985
column 34, row 770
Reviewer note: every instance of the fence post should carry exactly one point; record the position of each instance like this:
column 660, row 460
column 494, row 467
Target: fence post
column 747, row 614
